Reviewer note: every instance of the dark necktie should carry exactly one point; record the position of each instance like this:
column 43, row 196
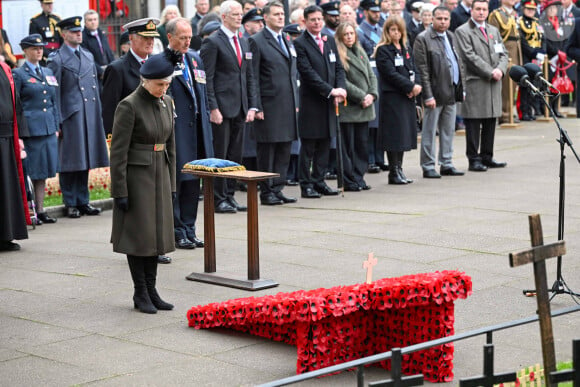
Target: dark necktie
column 38, row 72
column 282, row 45
column 78, row 54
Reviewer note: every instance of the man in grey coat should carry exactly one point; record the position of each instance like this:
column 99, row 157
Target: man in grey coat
column 81, row 144
column 438, row 65
column 485, row 60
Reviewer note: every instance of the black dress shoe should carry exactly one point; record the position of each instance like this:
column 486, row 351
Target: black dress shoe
column 196, row 241
column 87, row 209
column 431, row 174
column 225, row 208
column 477, row 167
column 494, row 164
column 384, row 167
column 9, row 246
column 310, row 193
column 352, row 188
column 237, row 205
column 373, row 168
column 286, row 199
column 326, row 190
column 43, row 216
column 365, row 187
column 36, row 221
column 451, row 172
column 270, row 199
column 73, row 212
column 164, row 259
column 184, row 243
column 291, row 182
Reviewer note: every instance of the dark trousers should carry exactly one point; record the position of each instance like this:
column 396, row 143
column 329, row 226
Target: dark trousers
column 376, row 150
column 476, row 129
column 228, row 142
column 273, row 157
column 355, row 136
column 185, row 208
column 313, row 156
column 74, row 187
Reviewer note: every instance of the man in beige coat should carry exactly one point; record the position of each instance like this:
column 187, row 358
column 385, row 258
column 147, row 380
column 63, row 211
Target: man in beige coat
column 485, row 62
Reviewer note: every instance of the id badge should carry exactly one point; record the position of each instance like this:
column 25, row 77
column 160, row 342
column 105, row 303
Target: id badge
column 373, row 63
column 48, row 33
column 498, row 48
column 177, row 72
column 560, row 31
column 412, row 76
column 399, row 61
column 51, row 80
column 332, row 57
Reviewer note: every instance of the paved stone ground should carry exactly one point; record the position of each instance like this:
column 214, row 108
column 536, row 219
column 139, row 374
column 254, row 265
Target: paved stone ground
column 65, row 299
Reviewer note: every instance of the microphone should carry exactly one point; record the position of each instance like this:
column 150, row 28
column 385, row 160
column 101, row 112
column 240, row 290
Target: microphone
column 535, row 72
column 519, row 75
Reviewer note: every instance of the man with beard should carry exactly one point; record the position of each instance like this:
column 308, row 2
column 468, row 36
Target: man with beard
column 331, row 15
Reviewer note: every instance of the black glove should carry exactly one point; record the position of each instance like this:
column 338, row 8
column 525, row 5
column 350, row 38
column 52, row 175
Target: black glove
column 122, row 204
column 173, row 196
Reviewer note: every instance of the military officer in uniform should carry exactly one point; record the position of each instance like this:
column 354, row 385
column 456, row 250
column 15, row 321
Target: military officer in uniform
column 331, row 15
column 504, row 19
column 45, row 24
column 82, row 145
column 533, row 48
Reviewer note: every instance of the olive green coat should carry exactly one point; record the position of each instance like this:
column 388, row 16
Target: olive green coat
column 146, row 177
column 360, row 81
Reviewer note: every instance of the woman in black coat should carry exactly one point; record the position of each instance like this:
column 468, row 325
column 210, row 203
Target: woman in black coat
column 399, row 85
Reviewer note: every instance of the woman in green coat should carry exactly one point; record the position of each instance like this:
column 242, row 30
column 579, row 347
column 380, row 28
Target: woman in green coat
column 143, row 179
column 361, row 88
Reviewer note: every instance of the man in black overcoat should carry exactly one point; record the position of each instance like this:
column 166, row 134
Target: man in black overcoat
column 322, row 86
column 95, row 41
column 231, row 95
column 276, row 124
column 193, row 137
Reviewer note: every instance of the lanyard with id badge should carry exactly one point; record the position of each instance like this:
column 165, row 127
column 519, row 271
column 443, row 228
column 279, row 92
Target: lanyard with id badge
column 332, row 57
column 399, row 60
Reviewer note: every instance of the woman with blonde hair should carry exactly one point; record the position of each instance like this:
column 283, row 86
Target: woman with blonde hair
column 361, row 87
column 168, row 13
column 399, row 85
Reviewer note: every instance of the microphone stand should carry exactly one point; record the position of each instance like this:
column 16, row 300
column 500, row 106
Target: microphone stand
column 560, row 286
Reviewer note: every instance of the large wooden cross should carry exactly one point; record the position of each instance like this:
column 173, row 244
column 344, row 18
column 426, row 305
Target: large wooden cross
column 368, row 264
column 538, row 255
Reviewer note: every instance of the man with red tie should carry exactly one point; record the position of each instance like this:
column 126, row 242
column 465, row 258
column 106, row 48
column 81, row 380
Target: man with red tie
column 231, row 95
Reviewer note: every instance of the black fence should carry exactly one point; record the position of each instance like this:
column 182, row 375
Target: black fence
column 396, row 355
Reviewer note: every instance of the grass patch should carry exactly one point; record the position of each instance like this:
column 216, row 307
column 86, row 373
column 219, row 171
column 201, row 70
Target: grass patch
column 95, row 194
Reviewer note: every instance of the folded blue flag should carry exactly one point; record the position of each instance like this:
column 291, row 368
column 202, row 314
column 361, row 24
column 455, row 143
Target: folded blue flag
column 214, row 165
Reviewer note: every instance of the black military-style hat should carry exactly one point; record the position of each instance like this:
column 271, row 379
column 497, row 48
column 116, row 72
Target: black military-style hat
column 157, row 67
column 210, row 27
column 145, row 27
column 34, row 40
column 331, row 8
column 293, row 29
column 254, row 14
column 124, row 39
column 371, row 5
column 530, row 4
column 71, row 24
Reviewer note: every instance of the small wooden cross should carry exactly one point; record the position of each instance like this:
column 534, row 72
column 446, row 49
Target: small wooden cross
column 368, row 264
column 488, row 379
column 538, row 255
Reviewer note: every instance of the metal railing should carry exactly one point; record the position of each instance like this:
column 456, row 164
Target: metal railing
column 359, row 364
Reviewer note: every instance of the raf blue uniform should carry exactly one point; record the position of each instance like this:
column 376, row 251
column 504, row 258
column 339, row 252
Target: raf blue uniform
column 38, row 96
column 193, row 141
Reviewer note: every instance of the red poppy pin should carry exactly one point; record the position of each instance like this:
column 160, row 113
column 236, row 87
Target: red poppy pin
column 490, row 36
column 32, row 80
column 324, row 37
column 408, row 56
column 194, row 63
column 288, row 37
column 240, row 35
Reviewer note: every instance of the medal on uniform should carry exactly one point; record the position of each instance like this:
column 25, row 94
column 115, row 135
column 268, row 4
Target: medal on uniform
column 248, row 55
column 51, row 80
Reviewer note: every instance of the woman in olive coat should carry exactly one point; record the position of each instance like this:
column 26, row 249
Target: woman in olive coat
column 361, row 88
column 399, row 85
column 143, row 179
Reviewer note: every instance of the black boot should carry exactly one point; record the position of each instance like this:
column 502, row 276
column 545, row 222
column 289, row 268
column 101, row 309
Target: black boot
column 141, row 299
column 151, row 280
column 400, row 168
column 394, row 177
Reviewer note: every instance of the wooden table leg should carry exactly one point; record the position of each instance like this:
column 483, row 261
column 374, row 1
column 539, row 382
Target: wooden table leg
column 208, row 226
column 253, row 239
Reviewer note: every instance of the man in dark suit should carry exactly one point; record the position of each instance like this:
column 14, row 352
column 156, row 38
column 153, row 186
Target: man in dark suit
column 322, row 86
column 201, row 9
column 573, row 51
column 460, row 14
column 570, row 10
column 81, row 144
column 231, row 96
column 122, row 77
column 97, row 43
column 276, row 124
column 193, row 138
